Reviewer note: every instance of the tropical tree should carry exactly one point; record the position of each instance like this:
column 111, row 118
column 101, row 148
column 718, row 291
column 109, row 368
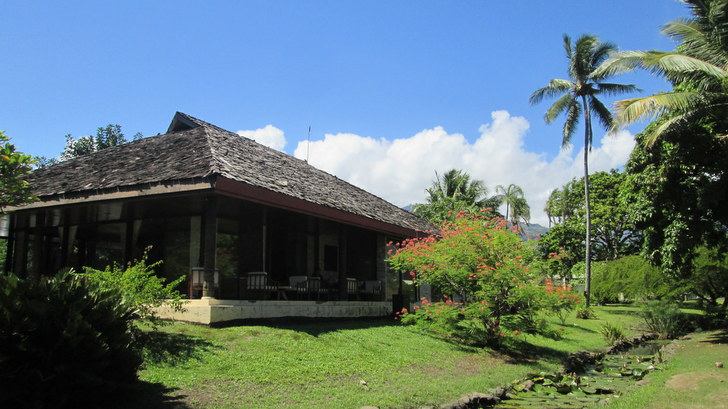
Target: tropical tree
column 106, row 137
column 559, row 206
column 578, row 95
column 679, row 167
column 452, row 192
column 516, row 205
column 698, row 68
column 14, row 167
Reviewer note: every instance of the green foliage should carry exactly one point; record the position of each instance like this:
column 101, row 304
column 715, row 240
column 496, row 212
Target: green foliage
column 106, row 137
column 628, row 278
column 14, row 167
column 664, row 318
column 452, row 193
column 697, row 66
column 64, row 342
column 482, row 262
column 709, row 281
column 678, row 194
column 140, row 287
column 560, row 300
column 612, row 333
column 517, row 208
column 613, row 230
column 585, row 313
column 566, row 240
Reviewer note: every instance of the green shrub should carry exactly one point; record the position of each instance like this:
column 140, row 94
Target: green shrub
column 585, row 313
column 629, row 277
column 612, row 333
column 663, row 318
column 64, row 342
column 140, row 287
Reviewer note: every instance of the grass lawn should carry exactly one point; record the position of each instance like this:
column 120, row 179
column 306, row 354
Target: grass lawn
column 343, row 364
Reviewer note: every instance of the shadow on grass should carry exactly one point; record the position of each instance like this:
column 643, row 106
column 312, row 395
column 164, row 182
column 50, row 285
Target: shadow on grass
column 580, row 328
column 718, row 338
column 319, row 326
column 635, row 313
column 173, row 349
column 522, row 352
column 147, row 395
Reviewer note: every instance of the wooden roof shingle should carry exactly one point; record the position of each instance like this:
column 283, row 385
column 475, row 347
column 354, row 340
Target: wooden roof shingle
column 196, row 150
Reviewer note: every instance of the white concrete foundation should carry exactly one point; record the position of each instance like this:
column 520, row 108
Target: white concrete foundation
column 210, row 311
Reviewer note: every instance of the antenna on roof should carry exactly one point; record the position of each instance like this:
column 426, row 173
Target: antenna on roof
column 308, row 143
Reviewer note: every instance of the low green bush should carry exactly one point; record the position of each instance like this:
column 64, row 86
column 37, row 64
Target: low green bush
column 664, row 318
column 140, row 288
column 627, row 278
column 612, row 333
column 585, row 313
column 64, row 343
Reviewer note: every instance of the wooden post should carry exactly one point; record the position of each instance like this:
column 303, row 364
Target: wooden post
column 128, row 241
column 35, row 262
column 210, row 247
column 343, row 271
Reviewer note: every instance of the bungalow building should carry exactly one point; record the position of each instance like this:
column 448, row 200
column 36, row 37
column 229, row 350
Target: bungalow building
column 256, row 232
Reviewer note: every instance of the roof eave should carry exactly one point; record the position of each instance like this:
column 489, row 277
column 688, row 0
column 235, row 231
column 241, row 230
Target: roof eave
column 241, row 190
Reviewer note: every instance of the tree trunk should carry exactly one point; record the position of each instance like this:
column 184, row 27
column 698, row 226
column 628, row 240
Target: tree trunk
column 587, row 147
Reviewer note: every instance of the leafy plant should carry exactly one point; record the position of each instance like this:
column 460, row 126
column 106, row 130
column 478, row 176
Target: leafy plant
column 481, row 262
column 14, row 168
column 630, row 277
column 141, row 289
column 612, row 333
column 663, row 318
column 64, row 342
column 560, row 300
column 585, row 313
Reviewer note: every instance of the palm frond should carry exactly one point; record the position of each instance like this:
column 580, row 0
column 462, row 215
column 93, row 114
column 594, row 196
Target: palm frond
column 654, row 135
column 603, row 114
column 635, row 109
column 616, row 89
column 558, row 107
column 601, row 52
column 670, row 64
column 556, row 87
column 699, row 111
column 572, row 119
column 696, row 41
column 579, row 65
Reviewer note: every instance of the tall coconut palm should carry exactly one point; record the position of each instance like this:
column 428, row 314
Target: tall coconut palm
column 578, row 95
column 516, row 205
column 452, row 192
column 699, row 66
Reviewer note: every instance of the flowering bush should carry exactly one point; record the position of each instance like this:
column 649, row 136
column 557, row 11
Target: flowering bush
column 560, row 300
column 480, row 261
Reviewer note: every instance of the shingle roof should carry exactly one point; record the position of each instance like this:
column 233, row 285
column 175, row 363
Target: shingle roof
column 193, row 149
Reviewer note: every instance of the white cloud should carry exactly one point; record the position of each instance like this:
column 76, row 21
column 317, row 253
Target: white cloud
column 400, row 170
column 269, row 136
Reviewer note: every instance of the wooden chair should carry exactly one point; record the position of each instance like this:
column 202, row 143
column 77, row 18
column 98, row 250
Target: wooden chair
column 196, row 281
column 311, row 288
column 373, row 289
column 352, row 289
column 258, row 286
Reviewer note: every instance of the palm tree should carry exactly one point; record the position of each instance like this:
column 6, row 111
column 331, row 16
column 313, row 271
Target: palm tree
column 579, row 94
column 698, row 68
column 452, row 192
column 512, row 196
column 560, row 205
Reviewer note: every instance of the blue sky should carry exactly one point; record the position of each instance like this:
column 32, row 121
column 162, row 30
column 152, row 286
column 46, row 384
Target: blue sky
column 393, row 90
